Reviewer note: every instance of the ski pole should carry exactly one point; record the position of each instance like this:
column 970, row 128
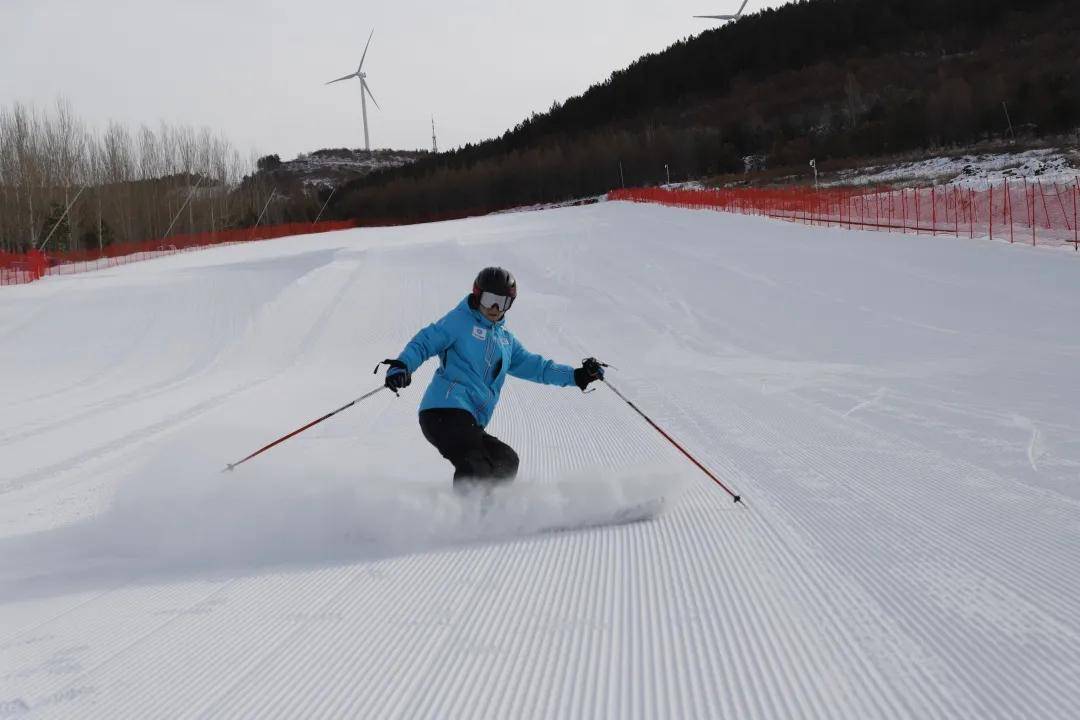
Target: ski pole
column 230, row 466
column 671, row 440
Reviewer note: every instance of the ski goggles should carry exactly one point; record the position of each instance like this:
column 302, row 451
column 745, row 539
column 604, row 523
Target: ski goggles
column 489, row 299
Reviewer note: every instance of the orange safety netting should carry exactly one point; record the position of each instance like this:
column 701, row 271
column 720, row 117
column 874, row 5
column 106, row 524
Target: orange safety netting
column 1018, row 211
column 24, row 268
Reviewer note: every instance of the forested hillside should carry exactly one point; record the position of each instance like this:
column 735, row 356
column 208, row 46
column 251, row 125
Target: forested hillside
column 817, row 78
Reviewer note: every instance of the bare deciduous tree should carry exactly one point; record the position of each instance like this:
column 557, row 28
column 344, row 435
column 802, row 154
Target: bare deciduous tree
column 133, row 183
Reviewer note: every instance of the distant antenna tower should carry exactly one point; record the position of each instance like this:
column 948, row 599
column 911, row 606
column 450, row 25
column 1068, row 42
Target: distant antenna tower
column 434, row 144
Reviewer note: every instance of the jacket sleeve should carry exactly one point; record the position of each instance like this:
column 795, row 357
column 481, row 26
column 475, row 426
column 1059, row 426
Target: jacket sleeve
column 538, row 369
column 432, row 340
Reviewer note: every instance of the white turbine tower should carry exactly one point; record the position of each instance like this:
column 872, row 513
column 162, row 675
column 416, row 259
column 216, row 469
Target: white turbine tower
column 365, row 91
column 736, row 16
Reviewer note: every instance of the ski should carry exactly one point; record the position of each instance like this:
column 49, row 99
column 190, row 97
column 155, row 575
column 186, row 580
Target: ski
column 638, row 512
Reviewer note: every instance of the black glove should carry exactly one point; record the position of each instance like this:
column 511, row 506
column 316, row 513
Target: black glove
column 397, row 375
column 590, row 371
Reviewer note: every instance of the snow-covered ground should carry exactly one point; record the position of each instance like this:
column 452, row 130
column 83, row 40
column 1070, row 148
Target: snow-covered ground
column 901, row 414
column 1048, row 165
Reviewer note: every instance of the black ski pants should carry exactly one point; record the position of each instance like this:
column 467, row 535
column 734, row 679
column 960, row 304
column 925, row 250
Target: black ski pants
column 475, row 454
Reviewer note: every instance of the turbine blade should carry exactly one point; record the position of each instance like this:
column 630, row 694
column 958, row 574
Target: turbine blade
column 342, row 78
column 365, row 50
column 736, row 16
column 365, row 87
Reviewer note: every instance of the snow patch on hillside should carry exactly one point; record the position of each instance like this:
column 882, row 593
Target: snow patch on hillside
column 1049, row 165
column 327, row 168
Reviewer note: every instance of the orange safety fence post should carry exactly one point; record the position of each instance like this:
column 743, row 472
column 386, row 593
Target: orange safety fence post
column 1033, row 214
column 956, row 211
column 1027, row 208
column 1076, row 226
column 933, row 210
column 1008, row 207
column 39, row 264
column 947, row 192
column 1045, row 213
column 971, row 213
column 917, row 211
column 945, row 206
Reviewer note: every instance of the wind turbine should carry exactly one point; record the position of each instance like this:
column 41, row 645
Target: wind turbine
column 736, row 16
column 365, row 91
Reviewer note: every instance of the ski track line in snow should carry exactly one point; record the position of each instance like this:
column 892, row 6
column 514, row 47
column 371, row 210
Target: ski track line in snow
column 1060, row 635
column 1020, row 523
column 99, row 640
column 877, row 397
column 119, row 657
column 129, row 441
column 197, row 368
column 778, row 442
column 817, row 584
column 93, row 378
column 144, row 433
column 154, row 320
column 19, row 637
column 875, row 574
column 379, row 645
column 228, row 614
column 1032, row 450
column 126, row 443
column 133, row 338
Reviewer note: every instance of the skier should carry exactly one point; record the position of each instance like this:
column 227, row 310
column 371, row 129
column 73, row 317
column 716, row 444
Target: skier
column 476, row 353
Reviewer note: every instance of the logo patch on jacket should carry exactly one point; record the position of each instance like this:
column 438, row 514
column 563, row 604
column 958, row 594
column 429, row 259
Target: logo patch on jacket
column 479, row 333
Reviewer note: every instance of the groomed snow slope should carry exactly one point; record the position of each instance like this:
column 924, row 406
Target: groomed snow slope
column 901, row 414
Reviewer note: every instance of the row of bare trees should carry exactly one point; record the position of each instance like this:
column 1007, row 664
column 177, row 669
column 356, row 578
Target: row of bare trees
column 121, row 185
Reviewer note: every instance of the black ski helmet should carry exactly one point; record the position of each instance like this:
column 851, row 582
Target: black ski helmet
column 495, row 280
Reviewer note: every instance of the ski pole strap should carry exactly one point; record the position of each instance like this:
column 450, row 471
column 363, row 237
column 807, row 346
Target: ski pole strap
column 671, row 440
column 392, row 363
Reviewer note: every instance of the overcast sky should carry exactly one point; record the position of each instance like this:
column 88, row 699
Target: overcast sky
column 255, row 69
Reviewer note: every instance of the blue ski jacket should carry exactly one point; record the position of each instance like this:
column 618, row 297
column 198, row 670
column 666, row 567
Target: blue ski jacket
column 475, row 356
